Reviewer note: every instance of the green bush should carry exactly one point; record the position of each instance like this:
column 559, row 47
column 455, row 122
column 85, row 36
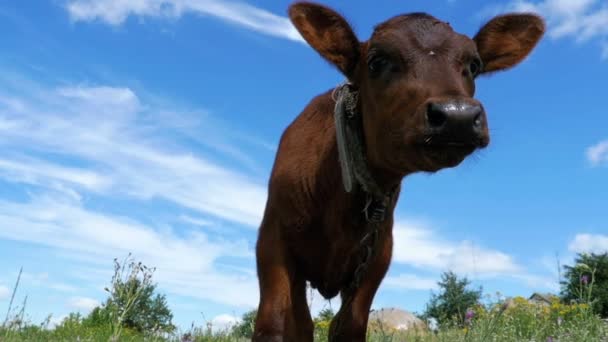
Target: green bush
column 587, row 282
column 450, row 305
column 245, row 327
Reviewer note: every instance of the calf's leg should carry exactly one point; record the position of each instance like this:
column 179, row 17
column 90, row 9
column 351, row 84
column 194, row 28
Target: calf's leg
column 350, row 324
column 283, row 311
column 301, row 318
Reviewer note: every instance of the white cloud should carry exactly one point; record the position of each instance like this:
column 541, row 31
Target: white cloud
column 410, row 282
column 420, row 247
column 581, row 20
column 33, row 171
column 4, row 292
column 598, row 154
column 195, row 221
column 117, row 102
column 120, row 149
column 56, row 320
column 74, row 142
column 539, row 282
column 115, row 12
column 588, row 243
column 185, row 262
column 83, row 303
column 44, row 280
column 224, row 322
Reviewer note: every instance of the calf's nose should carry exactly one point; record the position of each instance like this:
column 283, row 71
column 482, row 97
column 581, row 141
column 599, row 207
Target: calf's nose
column 456, row 120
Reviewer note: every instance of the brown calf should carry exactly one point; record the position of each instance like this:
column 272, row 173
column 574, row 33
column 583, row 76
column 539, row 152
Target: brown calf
column 408, row 106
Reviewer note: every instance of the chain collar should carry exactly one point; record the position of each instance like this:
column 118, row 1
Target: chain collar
column 351, row 151
column 355, row 172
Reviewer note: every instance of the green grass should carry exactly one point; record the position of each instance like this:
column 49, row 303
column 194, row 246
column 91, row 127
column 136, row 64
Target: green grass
column 522, row 323
column 519, row 321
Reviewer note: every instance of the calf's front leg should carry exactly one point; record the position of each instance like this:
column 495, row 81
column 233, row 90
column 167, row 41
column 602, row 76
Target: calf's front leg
column 283, row 314
column 350, row 324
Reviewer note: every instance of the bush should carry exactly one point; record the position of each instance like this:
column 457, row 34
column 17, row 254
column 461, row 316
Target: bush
column 132, row 302
column 322, row 323
column 587, row 282
column 245, row 327
column 450, row 305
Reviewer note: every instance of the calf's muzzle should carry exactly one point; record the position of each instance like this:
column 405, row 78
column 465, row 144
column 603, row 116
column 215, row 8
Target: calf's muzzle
column 457, row 122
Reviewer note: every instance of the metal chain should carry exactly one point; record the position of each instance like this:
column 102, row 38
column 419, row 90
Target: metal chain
column 375, row 214
column 377, row 202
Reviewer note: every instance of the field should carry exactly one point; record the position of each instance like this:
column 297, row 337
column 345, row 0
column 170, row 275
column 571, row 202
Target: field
column 522, row 322
column 119, row 319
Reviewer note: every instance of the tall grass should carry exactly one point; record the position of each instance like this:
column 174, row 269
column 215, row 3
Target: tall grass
column 517, row 320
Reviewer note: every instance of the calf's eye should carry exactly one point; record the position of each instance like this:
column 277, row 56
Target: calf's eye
column 475, row 68
column 377, row 64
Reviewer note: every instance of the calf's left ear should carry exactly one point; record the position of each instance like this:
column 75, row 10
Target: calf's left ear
column 506, row 40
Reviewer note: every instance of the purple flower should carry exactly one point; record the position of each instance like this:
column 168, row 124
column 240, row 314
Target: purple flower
column 550, row 339
column 468, row 316
column 585, row 279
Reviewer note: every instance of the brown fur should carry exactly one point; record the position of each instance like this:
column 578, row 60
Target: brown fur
column 311, row 227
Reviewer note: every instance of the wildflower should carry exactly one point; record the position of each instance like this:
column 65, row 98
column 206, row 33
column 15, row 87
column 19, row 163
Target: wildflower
column 468, row 316
column 550, row 339
column 585, row 279
column 559, row 321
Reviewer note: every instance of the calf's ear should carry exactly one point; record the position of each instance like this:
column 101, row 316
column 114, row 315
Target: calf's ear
column 328, row 33
column 506, row 40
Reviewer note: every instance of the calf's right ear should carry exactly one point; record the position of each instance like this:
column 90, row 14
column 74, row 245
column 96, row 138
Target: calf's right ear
column 328, row 33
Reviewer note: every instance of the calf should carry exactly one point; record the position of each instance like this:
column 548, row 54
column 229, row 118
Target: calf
column 407, row 106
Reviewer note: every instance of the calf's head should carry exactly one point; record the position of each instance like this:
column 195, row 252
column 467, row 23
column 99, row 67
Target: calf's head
column 416, row 80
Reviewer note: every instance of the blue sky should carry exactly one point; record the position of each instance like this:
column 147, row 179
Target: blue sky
column 150, row 127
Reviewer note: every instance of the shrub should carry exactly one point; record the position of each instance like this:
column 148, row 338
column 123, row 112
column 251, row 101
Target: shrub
column 587, row 282
column 245, row 327
column 450, row 305
column 132, row 302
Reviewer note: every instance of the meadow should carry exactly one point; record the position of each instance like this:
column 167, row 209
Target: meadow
column 521, row 323
column 512, row 320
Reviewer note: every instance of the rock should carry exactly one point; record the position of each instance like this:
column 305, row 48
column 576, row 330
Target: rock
column 393, row 318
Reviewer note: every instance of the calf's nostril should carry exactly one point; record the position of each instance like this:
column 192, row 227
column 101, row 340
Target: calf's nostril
column 436, row 117
column 477, row 121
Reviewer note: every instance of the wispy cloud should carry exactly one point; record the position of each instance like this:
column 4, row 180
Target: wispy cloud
column 71, row 143
column 598, row 154
column 4, row 292
column 539, row 281
column 83, row 304
column 186, row 262
column 29, row 170
column 195, row 221
column 588, row 243
column 115, row 12
column 581, row 20
column 108, row 141
column 410, row 282
column 421, row 247
column 44, row 280
column 224, row 322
